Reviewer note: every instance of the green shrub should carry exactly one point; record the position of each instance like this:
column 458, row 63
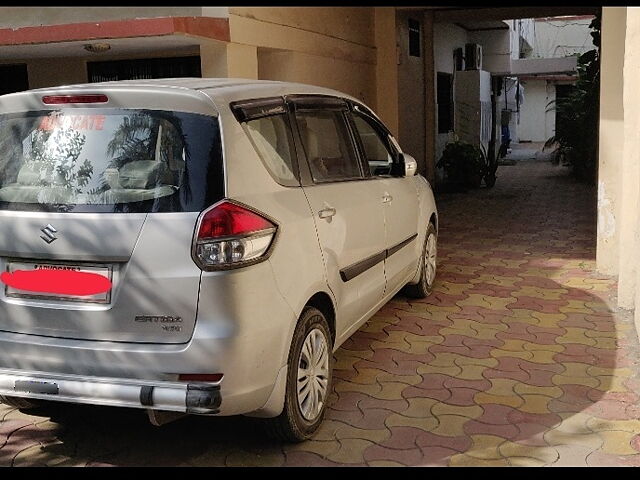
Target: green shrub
column 464, row 165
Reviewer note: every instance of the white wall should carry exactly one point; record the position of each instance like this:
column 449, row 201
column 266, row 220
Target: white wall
column 496, row 49
column 525, row 28
column 537, row 117
column 561, row 38
column 446, row 38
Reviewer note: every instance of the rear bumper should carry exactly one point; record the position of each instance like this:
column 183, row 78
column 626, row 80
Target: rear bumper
column 196, row 397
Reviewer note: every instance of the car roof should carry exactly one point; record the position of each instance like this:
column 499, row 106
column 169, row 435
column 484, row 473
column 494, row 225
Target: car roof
column 191, row 90
column 227, row 87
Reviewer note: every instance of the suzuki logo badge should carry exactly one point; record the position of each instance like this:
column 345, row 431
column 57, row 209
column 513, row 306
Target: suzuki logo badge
column 49, row 233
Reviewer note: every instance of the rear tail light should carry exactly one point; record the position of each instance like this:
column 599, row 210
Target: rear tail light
column 230, row 235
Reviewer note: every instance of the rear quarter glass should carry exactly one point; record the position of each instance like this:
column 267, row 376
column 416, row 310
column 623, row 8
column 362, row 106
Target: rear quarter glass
column 109, row 160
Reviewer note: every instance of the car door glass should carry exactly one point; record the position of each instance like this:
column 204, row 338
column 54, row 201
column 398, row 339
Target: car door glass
column 328, row 145
column 271, row 138
column 376, row 150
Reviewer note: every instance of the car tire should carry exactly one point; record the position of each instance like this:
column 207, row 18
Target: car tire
column 19, row 403
column 423, row 288
column 302, row 415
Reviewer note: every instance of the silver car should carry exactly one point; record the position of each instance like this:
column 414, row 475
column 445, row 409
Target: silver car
column 199, row 246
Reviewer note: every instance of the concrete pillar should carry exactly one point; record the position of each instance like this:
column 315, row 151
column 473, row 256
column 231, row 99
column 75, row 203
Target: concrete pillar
column 430, row 97
column 386, row 67
column 629, row 170
column 232, row 60
column 631, row 154
column 242, row 61
column 610, row 177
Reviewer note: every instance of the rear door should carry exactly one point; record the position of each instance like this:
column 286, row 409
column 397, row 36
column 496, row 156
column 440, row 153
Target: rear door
column 97, row 211
column 399, row 194
column 347, row 208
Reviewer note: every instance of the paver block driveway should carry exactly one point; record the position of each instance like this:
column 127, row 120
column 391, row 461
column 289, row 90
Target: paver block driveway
column 517, row 358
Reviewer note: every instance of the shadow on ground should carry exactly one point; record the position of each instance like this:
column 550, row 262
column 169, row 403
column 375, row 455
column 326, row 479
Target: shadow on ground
column 516, row 358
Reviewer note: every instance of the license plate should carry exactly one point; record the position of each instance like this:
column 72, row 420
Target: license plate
column 105, row 271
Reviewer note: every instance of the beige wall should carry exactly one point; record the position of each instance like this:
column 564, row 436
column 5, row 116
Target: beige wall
column 232, row 60
column 629, row 212
column 318, row 70
column 411, row 91
column 611, row 146
column 328, row 47
column 386, row 67
column 353, row 24
column 629, row 170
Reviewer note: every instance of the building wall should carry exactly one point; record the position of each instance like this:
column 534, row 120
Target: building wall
column 496, row 49
column 447, row 37
column 328, row 47
column 537, row 116
column 53, row 72
column 556, row 38
column 352, row 24
column 411, row 91
column 305, row 68
column 522, row 33
column 611, row 181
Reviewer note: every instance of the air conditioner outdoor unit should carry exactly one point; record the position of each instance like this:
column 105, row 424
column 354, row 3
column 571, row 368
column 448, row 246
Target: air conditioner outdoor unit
column 473, row 56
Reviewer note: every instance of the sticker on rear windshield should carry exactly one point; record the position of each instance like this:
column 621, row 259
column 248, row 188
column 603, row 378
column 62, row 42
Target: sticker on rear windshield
column 76, row 122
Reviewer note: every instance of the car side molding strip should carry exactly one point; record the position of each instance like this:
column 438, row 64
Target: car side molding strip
column 394, row 249
column 352, row 271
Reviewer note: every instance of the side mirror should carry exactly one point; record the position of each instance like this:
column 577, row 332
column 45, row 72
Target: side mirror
column 404, row 166
column 410, row 165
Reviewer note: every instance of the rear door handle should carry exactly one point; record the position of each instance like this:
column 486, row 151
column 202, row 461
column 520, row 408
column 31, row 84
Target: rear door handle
column 327, row 212
column 386, row 198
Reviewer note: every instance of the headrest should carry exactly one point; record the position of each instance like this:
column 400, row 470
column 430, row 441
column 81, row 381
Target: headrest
column 28, row 175
column 310, row 139
column 141, row 174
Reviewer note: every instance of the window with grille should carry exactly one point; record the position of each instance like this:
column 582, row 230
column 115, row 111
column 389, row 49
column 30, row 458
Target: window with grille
column 445, row 118
column 13, row 78
column 414, row 38
column 171, row 67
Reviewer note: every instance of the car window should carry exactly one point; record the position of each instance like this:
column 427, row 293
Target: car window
column 271, row 137
column 377, row 151
column 327, row 143
column 109, row 160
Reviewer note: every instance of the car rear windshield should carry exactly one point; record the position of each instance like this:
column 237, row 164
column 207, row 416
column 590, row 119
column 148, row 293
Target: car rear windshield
column 109, row 160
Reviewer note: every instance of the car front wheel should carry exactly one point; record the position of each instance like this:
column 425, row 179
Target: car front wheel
column 427, row 266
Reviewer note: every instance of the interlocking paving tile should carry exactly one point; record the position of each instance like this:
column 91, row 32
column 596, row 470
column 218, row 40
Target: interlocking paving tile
column 518, row 357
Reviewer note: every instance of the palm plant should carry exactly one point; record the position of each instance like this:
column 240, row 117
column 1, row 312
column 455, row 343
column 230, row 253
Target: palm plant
column 576, row 135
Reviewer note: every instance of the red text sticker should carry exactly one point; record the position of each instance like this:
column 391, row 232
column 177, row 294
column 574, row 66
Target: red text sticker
column 76, row 122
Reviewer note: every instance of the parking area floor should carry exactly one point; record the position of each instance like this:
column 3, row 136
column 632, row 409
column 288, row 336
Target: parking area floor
column 519, row 357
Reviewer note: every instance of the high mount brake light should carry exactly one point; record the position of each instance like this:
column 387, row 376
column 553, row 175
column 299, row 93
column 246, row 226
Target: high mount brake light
column 64, row 99
column 230, row 235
